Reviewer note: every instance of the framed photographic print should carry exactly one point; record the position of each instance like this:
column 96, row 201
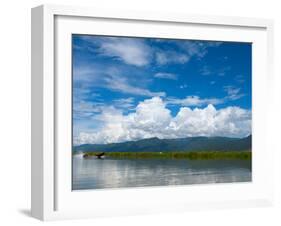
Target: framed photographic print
column 155, row 112
column 136, row 113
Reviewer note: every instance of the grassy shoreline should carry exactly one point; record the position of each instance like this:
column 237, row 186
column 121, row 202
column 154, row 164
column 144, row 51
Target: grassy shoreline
column 200, row 155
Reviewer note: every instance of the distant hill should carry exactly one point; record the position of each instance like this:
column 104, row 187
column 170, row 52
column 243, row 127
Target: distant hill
column 180, row 144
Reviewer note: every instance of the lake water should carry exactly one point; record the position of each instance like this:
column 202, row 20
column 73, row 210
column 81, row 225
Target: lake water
column 95, row 173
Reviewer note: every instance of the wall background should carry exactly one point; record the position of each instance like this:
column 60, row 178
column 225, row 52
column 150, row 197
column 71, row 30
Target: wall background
column 15, row 112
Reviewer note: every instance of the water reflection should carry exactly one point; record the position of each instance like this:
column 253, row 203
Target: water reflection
column 111, row 173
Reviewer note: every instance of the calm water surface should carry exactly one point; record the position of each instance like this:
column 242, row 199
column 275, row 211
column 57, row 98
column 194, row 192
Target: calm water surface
column 95, row 173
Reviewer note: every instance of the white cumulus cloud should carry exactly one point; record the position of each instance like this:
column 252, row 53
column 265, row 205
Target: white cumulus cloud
column 153, row 119
column 131, row 51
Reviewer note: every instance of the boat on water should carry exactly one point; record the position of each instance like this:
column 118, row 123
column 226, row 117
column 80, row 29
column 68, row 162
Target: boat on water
column 98, row 155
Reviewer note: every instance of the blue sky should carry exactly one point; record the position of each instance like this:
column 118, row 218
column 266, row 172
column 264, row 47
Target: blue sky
column 121, row 85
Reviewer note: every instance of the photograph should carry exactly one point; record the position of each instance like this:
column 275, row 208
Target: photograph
column 150, row 111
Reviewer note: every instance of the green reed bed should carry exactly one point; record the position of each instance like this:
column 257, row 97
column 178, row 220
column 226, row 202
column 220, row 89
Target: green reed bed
column 200, row 155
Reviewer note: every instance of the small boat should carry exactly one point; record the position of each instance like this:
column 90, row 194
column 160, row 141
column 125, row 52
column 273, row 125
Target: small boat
column 98, row 155
column 86, row 155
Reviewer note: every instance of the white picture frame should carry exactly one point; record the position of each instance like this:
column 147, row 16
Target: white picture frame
column 52, row 197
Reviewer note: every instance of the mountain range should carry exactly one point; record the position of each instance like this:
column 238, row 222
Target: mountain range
column 167, row 145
